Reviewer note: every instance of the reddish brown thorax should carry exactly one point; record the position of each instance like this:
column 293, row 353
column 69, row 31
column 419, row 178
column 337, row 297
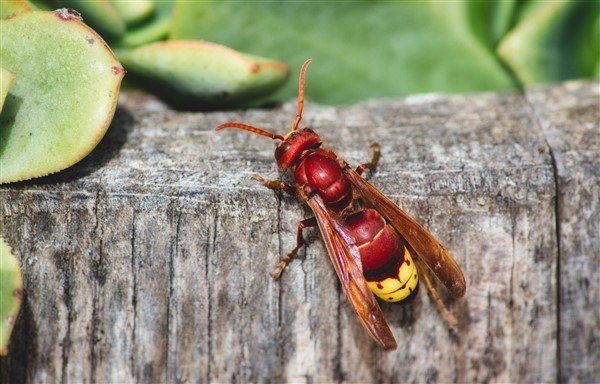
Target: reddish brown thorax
column 319, row 170
column 314, row 167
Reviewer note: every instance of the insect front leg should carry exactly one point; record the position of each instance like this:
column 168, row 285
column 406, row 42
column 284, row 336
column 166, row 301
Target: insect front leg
column 307, row 223
column 276, row 185
column 371, row 165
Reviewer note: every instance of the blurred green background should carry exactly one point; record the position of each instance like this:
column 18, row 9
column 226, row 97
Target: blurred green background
column 367, row 49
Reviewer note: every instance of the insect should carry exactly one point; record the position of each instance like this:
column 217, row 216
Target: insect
column 374, row 245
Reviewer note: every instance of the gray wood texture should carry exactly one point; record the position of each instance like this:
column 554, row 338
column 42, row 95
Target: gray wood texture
column 570, row 119
column 149, row 261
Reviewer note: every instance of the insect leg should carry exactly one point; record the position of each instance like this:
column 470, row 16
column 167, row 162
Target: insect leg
column 276, row 185
column 374, row 160
column 449, row 317
column 307, row 223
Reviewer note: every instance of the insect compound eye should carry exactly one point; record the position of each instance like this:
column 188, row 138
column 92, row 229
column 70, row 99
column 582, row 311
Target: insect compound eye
column 281, row 150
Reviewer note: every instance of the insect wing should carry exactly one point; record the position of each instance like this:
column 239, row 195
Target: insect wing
column 346, row 261
column 427, row 247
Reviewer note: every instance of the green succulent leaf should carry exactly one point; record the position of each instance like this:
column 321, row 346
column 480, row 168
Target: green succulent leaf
column 99, row 14
column 554, row 41
column 491, row 20
column 11, row 294
column 6, row 79
column 200, row 74
column 361, row 49
column 154, row 29
column 42, row 5
column 12, row 7
column 134, row 12
column 63, row 98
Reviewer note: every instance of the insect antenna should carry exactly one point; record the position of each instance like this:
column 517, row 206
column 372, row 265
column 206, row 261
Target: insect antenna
column 250, row 128
column 300, row 95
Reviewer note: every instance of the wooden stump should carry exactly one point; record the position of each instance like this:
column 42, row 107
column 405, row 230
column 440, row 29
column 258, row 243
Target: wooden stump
column 149, row 261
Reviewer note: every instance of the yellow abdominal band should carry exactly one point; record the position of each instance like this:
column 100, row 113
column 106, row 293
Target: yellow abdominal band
column 400, row 286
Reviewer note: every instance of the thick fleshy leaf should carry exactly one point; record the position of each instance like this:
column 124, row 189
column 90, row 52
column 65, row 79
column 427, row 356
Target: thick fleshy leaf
column 596, row 33
column 133, row 12
column 554, row 41
column 11, row 294
column 154, row 29
column 42, row 5
column 98, row 14
column 200, row 74
column 12, row 7
column 361, row 49
column 64, row 95
column 6, row 79
column 490, row 20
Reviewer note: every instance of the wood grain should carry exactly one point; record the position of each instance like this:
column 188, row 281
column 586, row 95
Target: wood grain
column 149, row 261
column 570, row 118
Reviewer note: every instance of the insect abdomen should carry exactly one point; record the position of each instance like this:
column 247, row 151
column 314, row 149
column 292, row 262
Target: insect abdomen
column 387, row 263
column 400, row 283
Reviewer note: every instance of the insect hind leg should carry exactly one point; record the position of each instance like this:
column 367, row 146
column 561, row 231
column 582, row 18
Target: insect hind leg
column 449, row 317
column 307, row 223
column 371, row 165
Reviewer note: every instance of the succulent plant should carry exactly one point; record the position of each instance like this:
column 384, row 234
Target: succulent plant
column 554, row 40
column 12, row 7
column 364, row 49
column 99, row 14
column 42, row 5
column 197, row 74
column 133, row 12
column 190, row 74
column 6, row 79
column 63, row 97
column 368, row 49
column 157, row 27
column 11, row 294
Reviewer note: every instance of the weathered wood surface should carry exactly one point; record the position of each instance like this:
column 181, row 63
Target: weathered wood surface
column 150, row 260
column 570, row 119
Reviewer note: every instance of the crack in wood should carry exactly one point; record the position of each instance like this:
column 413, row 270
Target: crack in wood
column 96, row 270
column 169, row 366
column 210, row 254
column 133, row 300
column 557, row 224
